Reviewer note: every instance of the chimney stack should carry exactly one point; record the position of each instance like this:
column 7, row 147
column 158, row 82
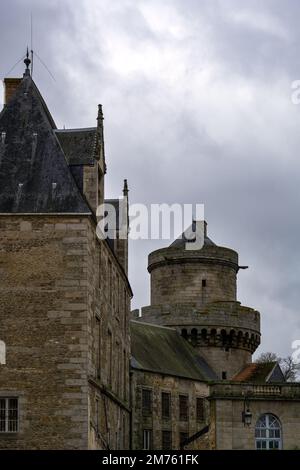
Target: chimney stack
column 10, row 87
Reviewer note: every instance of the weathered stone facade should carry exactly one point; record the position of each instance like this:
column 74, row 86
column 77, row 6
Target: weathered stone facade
column 175, row 387
column 227, row 404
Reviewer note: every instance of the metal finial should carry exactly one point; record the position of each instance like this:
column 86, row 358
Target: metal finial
column 27, row 62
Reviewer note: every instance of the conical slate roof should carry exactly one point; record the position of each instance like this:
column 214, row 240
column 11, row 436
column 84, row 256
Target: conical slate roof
column 34, row 173
column 189, row 236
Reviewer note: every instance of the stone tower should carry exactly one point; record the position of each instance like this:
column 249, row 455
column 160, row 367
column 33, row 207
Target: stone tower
column 65, row 294
column 194, row 290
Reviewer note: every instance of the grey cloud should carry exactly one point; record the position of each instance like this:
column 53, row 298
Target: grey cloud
column 199, row 113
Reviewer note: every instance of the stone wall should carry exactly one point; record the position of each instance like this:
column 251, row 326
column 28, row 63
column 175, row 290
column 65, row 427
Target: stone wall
column 197, row 277
column 54, row 288
column 43, row 317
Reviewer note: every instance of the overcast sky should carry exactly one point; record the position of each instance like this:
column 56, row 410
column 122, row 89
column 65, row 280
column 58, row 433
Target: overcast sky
column 197, row 103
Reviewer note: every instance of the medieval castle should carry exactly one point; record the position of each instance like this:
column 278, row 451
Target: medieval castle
column 78, row 369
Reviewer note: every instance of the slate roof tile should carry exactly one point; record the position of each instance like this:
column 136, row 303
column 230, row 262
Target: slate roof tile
column 162, row 350
column 34, row 173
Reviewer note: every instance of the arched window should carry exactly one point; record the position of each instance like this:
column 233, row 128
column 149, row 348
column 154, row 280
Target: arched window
column 184, row 333
column 268, row 433
column 2, row 353
column 194, row 336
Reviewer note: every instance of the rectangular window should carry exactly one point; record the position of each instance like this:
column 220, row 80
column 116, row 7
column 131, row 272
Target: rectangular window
column 147, row 439
column 98, row 347
column 200, row 413
column 97, row 415
column 110, row 282
column 125, row 371
column 183, row 408
column 166, row 440
column 165, row 405
column 118, row 368
column 146, row 402
column 9, row 415
column 203, row 282
column 110, row 362
column 99, row 266
column 182, row 437
column 124, row 432
column 125, row 310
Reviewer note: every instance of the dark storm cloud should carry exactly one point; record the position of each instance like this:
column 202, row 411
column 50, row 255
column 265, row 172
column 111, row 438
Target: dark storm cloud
column 197, row 102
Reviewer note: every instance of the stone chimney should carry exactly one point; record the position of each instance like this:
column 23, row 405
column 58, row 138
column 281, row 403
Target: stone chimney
column 10, row 87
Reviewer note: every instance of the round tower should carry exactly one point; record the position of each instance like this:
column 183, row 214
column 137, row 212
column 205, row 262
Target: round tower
column 195, row 292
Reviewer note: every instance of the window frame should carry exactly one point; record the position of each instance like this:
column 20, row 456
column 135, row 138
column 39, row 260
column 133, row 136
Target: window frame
column 183, row 417
column 147, row 410
column 147, row 439
column 183, row 436
column 7, row 410
column 200, row 417
column 98, row 346
column 164, row 415
column 164, row 433
column 267, row 430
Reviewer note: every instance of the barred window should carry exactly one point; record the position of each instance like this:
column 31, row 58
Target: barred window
column 147, row 439
column 146, row 402
column 9, row 415
column 166, row 440
column 165, row 405
column 200, row 409
column 183, row 408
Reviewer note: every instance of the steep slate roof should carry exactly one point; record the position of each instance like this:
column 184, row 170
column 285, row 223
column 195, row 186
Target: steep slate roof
column 260, row 373
column 162, row 350
column 78, row 145
column 34, row 173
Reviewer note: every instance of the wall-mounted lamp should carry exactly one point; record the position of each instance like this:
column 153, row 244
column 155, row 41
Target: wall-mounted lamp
column 246, row 415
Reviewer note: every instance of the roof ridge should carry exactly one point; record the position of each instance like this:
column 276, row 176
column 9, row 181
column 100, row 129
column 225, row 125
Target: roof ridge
column 154, row 325
column 76, row 129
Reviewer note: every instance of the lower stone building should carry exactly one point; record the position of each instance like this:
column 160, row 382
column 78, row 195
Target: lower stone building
column 192, row 356
column 255, row 415
column 169, row 388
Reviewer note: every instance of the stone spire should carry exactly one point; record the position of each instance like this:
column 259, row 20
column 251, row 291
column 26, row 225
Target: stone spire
column 125, row 188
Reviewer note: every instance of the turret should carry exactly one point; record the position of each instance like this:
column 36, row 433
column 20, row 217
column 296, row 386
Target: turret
column 194, row 290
